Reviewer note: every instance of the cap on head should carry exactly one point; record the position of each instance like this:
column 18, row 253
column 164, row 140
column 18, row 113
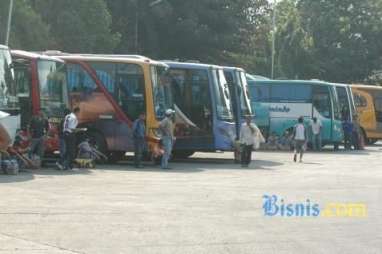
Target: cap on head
column 169, row 112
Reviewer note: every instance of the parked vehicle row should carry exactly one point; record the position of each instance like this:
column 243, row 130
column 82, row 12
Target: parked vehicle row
column 210, row 101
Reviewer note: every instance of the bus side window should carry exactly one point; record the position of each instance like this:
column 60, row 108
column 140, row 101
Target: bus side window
column 131, row 89
column 201, row 102
column 260, row 93
column 321, row 101
column 360, row 101
column 79, row 80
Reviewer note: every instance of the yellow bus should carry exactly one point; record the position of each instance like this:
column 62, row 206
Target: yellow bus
column 368, row 101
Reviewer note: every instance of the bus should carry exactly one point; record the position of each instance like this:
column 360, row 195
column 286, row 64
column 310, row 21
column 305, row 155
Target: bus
column 9, row 102
column 368, row 101
column 238, row 88
column 287, row 100
column 41, row 86
column 111, row 92
column 204, row 116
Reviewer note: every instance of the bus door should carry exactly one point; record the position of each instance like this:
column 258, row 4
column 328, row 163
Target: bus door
column 192, row 99
column 344, row 102
column 233, row 85
column 322, row 109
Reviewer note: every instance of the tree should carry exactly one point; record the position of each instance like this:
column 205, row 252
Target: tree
column 28, row 31
column 79, row 25
column 341, row 38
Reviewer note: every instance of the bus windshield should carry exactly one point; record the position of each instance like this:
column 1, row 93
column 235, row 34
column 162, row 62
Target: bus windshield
column 8, row 93
column 161, row 90
column 244, row 97
column 222, row 96
column 53, row 86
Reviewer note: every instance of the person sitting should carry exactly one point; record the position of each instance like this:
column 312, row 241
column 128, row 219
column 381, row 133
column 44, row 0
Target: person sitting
column 88, row 154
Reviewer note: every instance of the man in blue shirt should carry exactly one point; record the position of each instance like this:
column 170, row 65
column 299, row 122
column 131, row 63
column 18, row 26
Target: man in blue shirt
column 139, row 132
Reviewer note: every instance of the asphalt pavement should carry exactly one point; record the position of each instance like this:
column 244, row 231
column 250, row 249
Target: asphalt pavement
column 205, row 204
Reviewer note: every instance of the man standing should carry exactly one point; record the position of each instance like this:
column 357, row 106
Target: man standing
column 300, row 138
column 70, row 125
column 139, row 130
column 38, row 127
column 316, row 126
column 248, row 133
column 61, row 137
column 347, row 127
column 166, row 127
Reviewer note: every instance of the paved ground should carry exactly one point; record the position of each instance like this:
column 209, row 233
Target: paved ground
column 201, row 207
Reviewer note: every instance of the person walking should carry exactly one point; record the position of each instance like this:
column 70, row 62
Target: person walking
column 348, row 127
column 60, row 130
column 248, row 135
column 38, row 128
column 139, row 132
column 300, row 139
column 316, row 127
column 166, row 127
column 70, row 125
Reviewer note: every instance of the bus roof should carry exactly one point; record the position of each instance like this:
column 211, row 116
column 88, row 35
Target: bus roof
column 109, row 58
column 229, row 68
column 366, row 87
column 189, row 65
column 252, row 77
column 33, row 55
column 301, row 82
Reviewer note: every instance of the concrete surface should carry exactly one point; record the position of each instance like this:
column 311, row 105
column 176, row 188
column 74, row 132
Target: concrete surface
column 205, row 205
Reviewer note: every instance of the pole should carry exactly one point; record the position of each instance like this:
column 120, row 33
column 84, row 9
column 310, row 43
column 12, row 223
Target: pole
column 137, row 27
column 9, row 22
column 273, row 40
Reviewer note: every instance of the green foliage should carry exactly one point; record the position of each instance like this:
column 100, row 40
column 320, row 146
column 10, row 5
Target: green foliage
column 335, row 40
column 28, row 31
column 79, row 25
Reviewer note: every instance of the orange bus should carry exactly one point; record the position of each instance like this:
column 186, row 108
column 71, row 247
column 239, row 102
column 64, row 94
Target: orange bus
column 368, row 101
column 111, row 92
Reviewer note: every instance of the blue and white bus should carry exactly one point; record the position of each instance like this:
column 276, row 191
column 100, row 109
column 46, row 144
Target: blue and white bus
column 285, row 101
column 204, row 115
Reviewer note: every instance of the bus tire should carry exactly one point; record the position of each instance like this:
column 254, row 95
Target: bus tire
column 116, row 156
column 183, row 154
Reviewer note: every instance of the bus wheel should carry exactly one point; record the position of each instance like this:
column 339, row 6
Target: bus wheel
column 182, row 154
column 372, row 141
column 115, row 157
column 100, row 144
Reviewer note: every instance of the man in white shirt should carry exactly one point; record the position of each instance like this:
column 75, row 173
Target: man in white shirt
column 70, row 125
column 316, row 126
column 300, row 139
column 248, row 134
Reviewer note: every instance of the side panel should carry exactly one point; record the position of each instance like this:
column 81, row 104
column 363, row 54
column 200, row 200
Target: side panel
column 365, row 109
